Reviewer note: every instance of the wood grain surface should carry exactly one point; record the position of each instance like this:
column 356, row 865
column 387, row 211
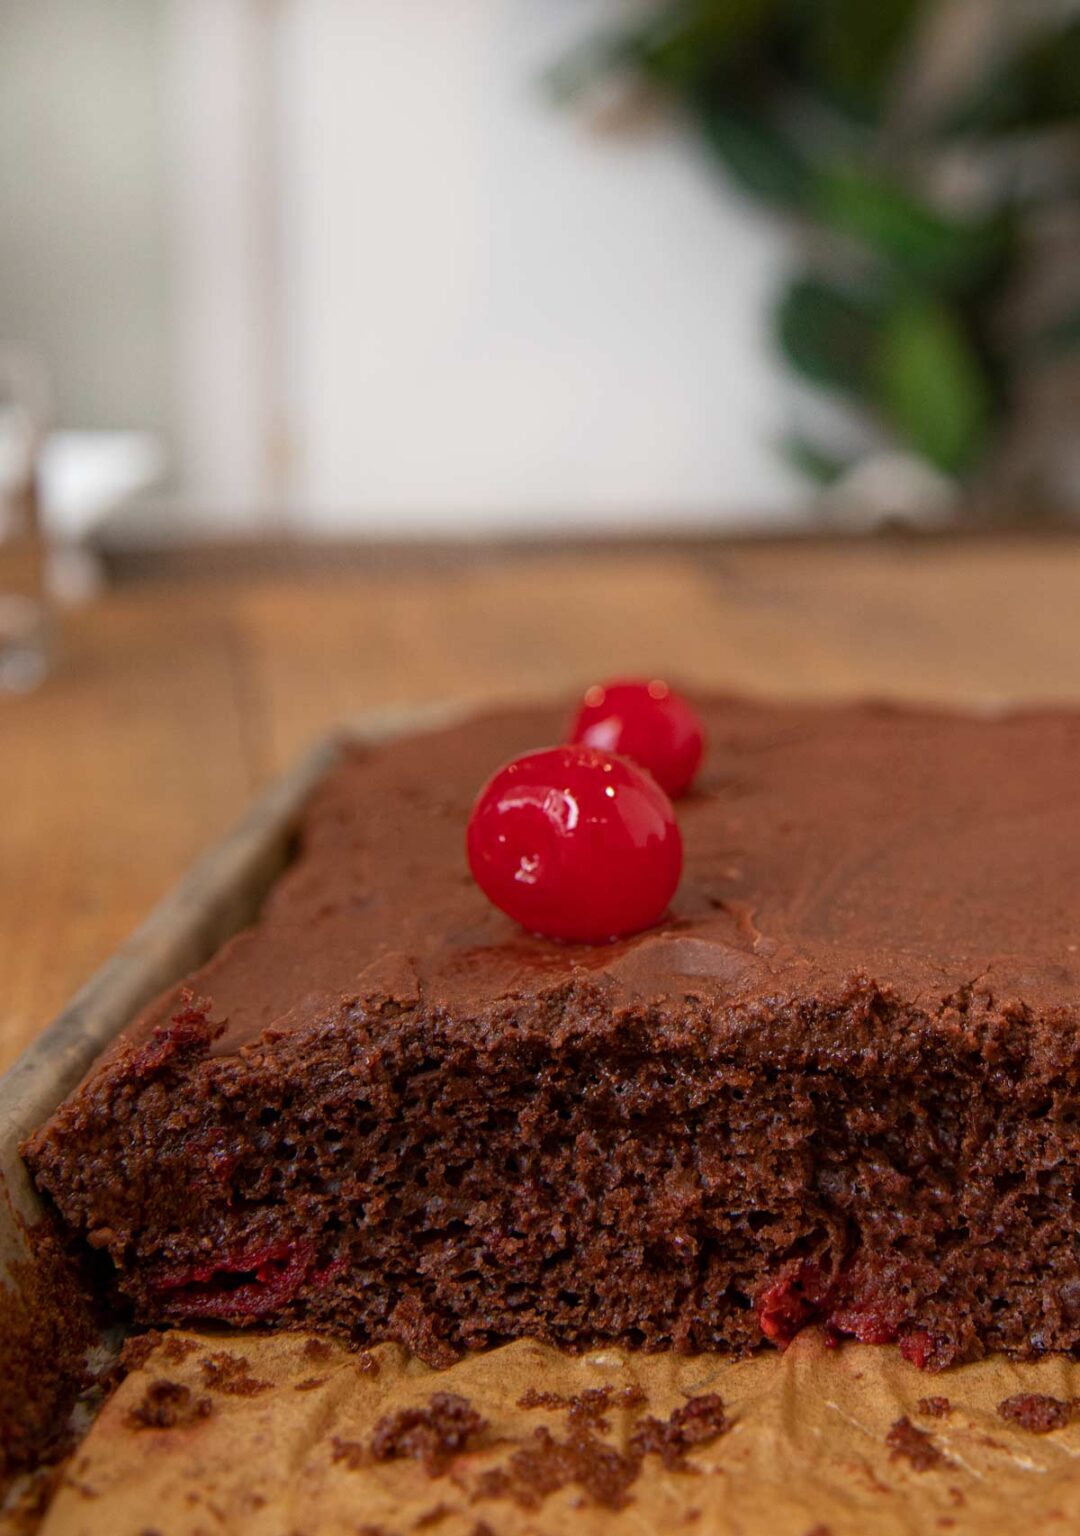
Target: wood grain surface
column 174, row 700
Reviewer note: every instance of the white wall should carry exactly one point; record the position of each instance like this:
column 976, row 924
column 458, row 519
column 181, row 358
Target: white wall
column 83, row 243
column 493, row 311
column 227, row 316
column 362, row 273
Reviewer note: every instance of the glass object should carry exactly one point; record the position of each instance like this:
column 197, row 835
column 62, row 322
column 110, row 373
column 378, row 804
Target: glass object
column 24, row 622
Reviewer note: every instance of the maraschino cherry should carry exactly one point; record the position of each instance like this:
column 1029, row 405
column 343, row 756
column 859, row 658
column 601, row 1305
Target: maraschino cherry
column 647, row 722
column 575, row 844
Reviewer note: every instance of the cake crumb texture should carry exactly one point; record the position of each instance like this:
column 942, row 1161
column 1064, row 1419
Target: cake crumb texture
column 839, row 1085
column 1036, row 1412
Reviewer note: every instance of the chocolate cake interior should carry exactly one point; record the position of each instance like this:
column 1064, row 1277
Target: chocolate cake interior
column 838, row 1084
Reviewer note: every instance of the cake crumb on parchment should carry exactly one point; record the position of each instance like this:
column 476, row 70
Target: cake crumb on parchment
column 231, row 1375
column 908, row 1443
column 1036, row 1412
column 433, row 1435
column 168, row 1405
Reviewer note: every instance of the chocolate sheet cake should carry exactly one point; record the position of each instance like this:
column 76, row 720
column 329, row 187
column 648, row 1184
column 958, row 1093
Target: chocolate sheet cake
column 840, row 1083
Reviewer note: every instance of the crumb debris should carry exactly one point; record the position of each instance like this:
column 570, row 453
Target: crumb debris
column 230, row 1375
column 546, row 1463
column 168, row 1405
column 934, row 1407
column 1036, row 1412
column 351, row 1452
column 317, row 1349
column 432, row 1516
column 310, row 1383
column 367, row 1364
column 137, row 1349
column 176, row 1348
column 412, row 1326
column 433, row 1435
column 534, row 1399
column 588, row 1407
column 907, row 1442
column 698, row 1421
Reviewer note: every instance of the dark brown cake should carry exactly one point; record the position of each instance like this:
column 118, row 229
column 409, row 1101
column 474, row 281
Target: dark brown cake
column 841, row 1083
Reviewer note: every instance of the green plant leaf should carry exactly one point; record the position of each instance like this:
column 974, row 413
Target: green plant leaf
column 722, row 24
column 850, row 49
column 913, row 237
column 829, row 334
column 759, row 158
column 697, row 40
column 1037, row 87
column 931, row 386
column 680, row 48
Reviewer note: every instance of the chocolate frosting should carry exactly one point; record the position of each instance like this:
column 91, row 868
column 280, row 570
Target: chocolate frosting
column 930, row 855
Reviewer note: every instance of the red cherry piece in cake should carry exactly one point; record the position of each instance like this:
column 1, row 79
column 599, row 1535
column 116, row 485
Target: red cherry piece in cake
column 575, row 844
column 647, row 722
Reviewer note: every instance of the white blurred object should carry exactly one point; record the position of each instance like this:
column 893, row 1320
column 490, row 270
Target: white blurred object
column 890, row 487
column 83, row 477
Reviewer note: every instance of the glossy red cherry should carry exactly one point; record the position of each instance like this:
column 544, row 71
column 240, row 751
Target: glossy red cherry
column 647, row 722
column 575, row 844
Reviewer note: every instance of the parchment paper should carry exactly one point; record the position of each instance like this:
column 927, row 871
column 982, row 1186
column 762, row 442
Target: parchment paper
column 278, row 1434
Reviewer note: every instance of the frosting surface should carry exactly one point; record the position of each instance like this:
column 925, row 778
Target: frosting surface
column 928, row 853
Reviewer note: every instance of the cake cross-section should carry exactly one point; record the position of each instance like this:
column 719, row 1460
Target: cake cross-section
column 839, row 1083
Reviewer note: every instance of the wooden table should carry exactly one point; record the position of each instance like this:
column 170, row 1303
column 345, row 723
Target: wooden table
column 176, row 698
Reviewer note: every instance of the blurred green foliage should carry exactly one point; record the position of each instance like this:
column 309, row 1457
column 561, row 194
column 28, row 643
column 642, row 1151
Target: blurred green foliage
column 804, row 104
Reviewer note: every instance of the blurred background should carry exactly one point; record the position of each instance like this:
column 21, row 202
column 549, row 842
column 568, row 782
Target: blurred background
column 357, row 353
column 358, row 267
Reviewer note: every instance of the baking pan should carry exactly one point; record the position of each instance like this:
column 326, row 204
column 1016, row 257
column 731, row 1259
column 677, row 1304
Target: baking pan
column 218, row 897
column 819, row 1439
